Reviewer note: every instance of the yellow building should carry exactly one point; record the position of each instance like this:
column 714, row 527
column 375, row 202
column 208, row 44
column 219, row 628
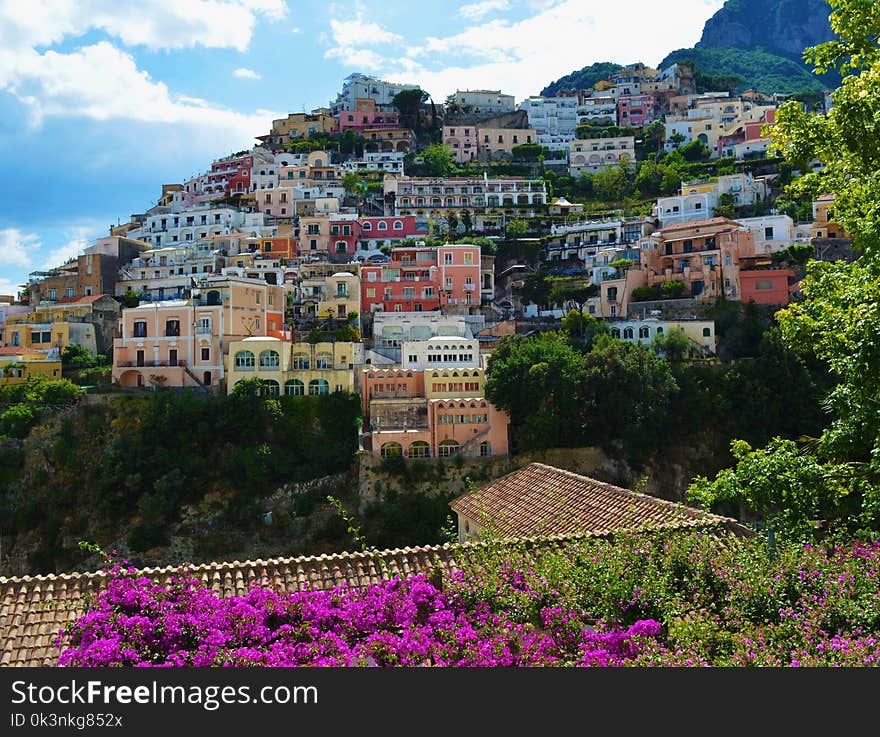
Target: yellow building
column 453, row 383
column 498, row 142
column 298, row 126
column 295, row 369
column 17, row 366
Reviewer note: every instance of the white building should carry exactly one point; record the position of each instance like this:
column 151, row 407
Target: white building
column 393, row 329
column 700, row 332
column 597, row 111
column 594, row 154
column 388, row 163
column 697, row 200
column 555, row 119
column 772, row 232
column 484, row 101
column 167, row 273
column 359, row 85
column 166, row 226
column 443, row 351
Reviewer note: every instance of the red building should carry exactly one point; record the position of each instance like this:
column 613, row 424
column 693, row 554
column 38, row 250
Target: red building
column 422, row 279
column 348, row 236
column 766, row 286
column 636, row 111
column 366, row 116
column 230, row 176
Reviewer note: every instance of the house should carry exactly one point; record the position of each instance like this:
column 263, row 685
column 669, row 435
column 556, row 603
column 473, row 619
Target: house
column 704, row 255
column 17, row 365
column 594, row 154
column 489, row 102
column 299, row 126
column 462, row 140
column 636, row 111
column 701, row 333
column 561, row 206
column 366, row 115
column 541, row 500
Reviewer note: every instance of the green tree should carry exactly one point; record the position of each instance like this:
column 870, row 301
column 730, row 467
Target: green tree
column 452, row 223
column 627, row 393
column 409, row 104
column 579, row 294
column 581, row 327
column 612, row 183
column 517, row 228
column 466, row 221
column 725, row 206
column 438, row 160
column 535, row 289
column 785, row 488
column 538, row 381
column 673, row 345
column 694, row 151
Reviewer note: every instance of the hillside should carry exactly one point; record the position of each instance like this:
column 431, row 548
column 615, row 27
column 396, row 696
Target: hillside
column 757, row 69
column 582, row 79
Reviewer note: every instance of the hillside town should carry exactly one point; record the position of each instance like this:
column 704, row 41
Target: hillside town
column 331, row 257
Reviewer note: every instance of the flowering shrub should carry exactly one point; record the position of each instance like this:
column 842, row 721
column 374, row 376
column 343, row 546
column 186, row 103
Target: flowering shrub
column 673, row 600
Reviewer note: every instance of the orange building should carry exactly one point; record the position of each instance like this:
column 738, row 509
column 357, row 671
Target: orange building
column 704, row 255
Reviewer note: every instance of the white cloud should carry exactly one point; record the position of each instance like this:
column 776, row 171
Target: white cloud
column 476, row 11
column 245, row 73
column 296, row 30
column 352, row 36
column 359, row 32
column 159, row 24
column 17, row 248
column 102, row 82
column 521, row 57
column 10, row 287
column 62, row 254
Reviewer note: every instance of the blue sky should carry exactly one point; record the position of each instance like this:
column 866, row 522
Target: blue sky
column 103, row 101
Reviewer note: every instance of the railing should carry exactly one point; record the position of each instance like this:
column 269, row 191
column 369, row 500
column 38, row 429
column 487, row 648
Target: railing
column 180, row 363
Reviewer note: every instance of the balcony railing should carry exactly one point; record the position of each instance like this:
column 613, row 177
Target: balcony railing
column 179, row 363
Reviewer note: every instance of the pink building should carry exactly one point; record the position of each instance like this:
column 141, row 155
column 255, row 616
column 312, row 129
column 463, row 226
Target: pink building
column 462, row 141
column 403, row 419
column 182, row 341
column 364, row 116
column 636, row 111
column 423, row 279
column 766, row 286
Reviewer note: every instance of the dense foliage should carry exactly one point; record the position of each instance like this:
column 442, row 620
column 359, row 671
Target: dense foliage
column 583, row 79
column 680, row 600
column 139, row 460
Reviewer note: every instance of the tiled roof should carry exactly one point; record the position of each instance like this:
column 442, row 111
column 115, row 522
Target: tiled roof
column 34, row 608
column 543, row 500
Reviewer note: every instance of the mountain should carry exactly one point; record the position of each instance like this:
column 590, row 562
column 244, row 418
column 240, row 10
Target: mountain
column 760, row 41
column 763, row 43
column 582, row 79
column 783, row 27
column 756, row 69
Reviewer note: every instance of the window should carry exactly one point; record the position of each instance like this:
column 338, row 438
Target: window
column 628, row 333
column 448, row 448
column 615, row 332
column 270, row 388
column 140, row 329
column 419, row 449
column 244, row 361
column 763, row 284
column 398, row 225
column 52, row 294
column 318, row 387
column 301, row 361
column 206, row 354
column 707, row 332
column 469, row 258
column 391, row 449
column 172, row 328
column 70, row 291
column 294, row 388
column 324, row 361
column 768, row 233
column 485, row 448
column 367, row 225
column 269, row 359
column 382, row 225
column 644, row 332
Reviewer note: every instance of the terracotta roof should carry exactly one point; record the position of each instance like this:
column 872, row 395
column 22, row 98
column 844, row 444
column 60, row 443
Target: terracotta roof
column 694, row 224
column 34, row 608
column 543, row 500
column 80, row 300
column 20, row 351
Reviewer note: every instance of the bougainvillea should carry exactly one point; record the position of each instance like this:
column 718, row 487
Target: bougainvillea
column 673, row 600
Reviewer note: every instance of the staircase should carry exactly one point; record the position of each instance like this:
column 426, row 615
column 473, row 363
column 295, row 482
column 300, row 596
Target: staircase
column 193, row 376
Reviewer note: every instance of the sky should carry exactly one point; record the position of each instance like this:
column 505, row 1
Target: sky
column 103, row 101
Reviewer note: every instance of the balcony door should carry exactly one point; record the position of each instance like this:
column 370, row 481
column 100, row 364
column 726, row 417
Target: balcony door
column 140, row 358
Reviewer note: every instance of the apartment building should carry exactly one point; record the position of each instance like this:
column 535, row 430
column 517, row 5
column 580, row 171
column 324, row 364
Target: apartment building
column 462, row 140
column 365, row 115
column 362, row 86
column 597, row 111
column 300, row 126
column 554, row 119
column 591, row 155
column 488, row 102
column 636, row 111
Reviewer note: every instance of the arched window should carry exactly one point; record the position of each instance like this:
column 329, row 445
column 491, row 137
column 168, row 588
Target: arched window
column 382, row 225
column 269, row 359
column 294, row 388
column 485, row 448
column 318, row 386
column 324, row 361
column 644, row 332
column 419, row 449
column 244, row 361
column 391, row 449
column 660, row 331
column 270, row 388
column 707, row 332
column 301, row 360
column 398, row 225
column 615, row 332
column 448, row 448
column 628, row 333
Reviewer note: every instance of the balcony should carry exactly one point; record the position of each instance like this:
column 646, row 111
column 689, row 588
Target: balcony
column 152, row 364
